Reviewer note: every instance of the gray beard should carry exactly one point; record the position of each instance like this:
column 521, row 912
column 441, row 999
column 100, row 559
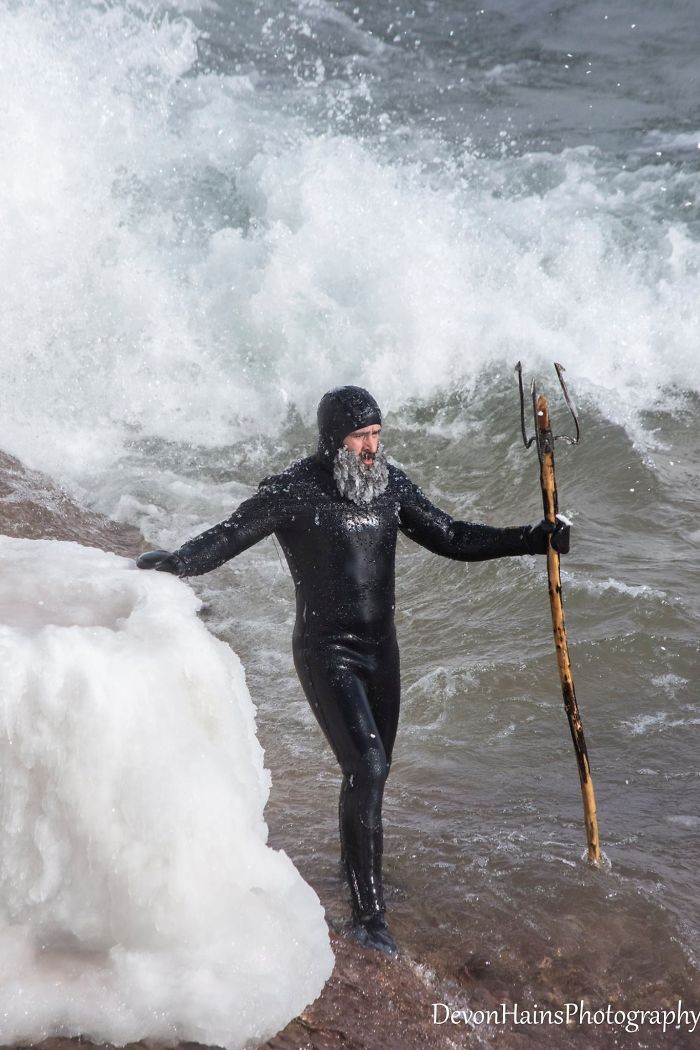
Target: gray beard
column 355, row 481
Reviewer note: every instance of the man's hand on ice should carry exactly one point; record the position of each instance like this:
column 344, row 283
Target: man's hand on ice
column 163, row 561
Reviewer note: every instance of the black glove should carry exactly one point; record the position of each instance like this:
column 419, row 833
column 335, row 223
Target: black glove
column 536, row 538
column 163, row 561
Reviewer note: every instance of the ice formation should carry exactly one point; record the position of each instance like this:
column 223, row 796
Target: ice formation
column 138, row 896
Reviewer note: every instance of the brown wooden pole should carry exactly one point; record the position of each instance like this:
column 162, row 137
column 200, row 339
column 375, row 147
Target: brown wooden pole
column 545, row 444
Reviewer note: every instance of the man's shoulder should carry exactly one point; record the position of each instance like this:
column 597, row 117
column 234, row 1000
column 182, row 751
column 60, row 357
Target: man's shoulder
column 399, row 480
column 404, row 488
column 294, row 481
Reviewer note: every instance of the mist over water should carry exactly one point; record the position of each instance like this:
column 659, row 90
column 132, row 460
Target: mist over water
column 210, row 216
column 200, row 228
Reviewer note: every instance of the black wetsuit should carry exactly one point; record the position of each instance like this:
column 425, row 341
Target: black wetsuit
column 341, row 557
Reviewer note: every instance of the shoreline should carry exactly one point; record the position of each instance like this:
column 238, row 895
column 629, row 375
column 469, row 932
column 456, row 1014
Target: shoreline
column 370, row 1002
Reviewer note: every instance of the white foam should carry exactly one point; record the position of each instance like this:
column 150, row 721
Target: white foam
column 669, row 682
column 688, row 821
column 674, row 140
column 138, row 897
column 587, row 583
column 658, row 722
column 197, row 247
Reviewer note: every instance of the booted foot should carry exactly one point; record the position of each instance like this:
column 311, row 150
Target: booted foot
column 373, row 933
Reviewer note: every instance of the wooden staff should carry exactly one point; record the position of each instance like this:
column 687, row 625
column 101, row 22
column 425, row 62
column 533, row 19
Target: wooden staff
column 545, row 446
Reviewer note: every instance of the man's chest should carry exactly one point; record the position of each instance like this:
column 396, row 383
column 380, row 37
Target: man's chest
column 339, row 527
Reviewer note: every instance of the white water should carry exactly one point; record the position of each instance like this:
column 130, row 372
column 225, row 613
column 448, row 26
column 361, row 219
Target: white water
column 184, row 258
column 138, row 897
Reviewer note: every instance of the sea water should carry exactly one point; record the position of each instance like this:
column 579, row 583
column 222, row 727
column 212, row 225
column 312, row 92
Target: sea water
column 212, row 214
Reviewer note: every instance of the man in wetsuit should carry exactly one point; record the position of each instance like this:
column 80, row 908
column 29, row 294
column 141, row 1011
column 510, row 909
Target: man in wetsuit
column 336, row 515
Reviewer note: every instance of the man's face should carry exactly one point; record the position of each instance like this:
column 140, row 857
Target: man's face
column 364, row 443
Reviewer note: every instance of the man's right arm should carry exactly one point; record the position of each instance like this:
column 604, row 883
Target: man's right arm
column 255, row 519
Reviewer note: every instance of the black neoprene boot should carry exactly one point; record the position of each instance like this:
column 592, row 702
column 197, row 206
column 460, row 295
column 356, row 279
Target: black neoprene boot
column 373, row 932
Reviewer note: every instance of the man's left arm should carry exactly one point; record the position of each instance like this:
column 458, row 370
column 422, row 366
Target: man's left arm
column 432, row 528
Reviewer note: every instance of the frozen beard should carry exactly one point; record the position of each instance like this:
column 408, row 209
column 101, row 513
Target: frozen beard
column 357, row 482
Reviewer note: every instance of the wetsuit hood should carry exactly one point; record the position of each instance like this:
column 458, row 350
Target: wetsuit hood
column 341, row 411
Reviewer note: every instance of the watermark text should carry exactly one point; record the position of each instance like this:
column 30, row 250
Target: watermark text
column 572, row 1015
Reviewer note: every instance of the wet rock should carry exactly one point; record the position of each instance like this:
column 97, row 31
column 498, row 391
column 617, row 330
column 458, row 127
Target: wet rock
column 33, row 507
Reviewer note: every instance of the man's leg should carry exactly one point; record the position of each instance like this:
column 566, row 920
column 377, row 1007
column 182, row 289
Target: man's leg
column 332, row 678
column 381, row 679
column 380, row 676
column 384, row 693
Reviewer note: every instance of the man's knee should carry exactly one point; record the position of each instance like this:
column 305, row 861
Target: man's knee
column 363, row 789
column 369, row 771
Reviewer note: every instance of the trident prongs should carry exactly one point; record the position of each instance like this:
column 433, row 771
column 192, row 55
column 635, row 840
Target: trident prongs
column 572, row 409
column 526, row 440
column 536, row 438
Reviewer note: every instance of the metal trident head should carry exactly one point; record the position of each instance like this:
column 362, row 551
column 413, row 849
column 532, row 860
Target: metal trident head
column 537, row 436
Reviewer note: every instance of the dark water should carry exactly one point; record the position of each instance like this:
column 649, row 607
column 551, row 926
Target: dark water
column 485, row 840
column 210, row 217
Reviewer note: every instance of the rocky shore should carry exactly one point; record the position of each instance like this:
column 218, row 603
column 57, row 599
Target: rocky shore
column 32, row 507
